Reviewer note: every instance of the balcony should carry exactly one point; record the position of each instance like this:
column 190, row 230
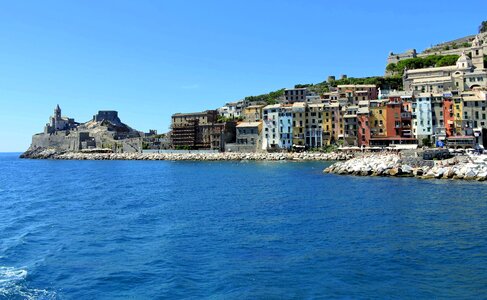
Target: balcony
column 406, row 115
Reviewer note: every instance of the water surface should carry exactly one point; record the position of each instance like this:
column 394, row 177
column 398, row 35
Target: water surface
column 159, row 229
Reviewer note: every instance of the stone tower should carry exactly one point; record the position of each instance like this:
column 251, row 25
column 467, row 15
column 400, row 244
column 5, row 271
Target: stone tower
column 477, row 53
column 57, row 112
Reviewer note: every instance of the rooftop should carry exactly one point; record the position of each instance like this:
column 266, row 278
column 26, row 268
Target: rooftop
column 255, row 106
column 192, row 114
column 363, row 110
column 432, row 79
column 425, row 70
column 272, row 106
column 356, row 85
column 248, row 124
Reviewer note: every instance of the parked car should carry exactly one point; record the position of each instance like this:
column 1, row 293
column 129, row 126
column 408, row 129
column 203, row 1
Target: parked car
column 436, row 154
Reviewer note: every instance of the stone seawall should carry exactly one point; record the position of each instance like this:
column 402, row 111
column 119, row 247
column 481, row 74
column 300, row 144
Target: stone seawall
column 52, row 154
column 459, row 167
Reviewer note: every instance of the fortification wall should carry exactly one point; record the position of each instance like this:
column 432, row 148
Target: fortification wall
column 59, row 140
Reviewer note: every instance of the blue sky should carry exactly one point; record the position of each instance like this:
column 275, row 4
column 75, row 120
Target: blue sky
column 150, row 59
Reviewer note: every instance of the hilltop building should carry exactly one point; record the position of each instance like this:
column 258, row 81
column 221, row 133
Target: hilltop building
column 104, row 132
column 107, row 115
column 58, row 123
column 295, row 95
column 463, row 76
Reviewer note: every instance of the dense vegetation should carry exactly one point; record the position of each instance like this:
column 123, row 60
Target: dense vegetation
column 269, row 98
column 391, row 82
column 422, row 62
column 223, row 119
column 483, row 27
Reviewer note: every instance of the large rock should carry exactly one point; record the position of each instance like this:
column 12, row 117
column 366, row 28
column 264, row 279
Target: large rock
column 394, row 171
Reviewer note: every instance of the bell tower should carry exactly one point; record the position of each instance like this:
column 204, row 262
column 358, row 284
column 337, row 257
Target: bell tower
column 57, row 112
column 477, row 53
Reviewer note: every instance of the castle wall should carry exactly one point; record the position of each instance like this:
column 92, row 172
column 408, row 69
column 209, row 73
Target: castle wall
column 109, row 115
column 59, row 140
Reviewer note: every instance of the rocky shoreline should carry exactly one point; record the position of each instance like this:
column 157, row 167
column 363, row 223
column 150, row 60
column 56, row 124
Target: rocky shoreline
column 225, row 156
column 459, row 167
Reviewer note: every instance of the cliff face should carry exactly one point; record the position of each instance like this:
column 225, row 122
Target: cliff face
column 102, row 135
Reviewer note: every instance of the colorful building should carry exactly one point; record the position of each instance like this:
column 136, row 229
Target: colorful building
column 299, row 120
column 285, row 126
column 422, row 116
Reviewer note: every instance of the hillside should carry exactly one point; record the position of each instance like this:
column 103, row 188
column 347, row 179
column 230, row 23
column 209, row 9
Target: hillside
column 392, row 82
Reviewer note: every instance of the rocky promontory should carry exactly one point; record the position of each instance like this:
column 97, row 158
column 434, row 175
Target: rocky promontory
column 389, row 164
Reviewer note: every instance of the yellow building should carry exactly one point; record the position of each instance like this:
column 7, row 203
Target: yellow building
column 314, row 126
column 253, row 113
column 458, row 114
column 332, row 123
column 377, row 119
column 299, row 123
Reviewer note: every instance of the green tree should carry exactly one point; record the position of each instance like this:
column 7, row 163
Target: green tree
column 447, row 60
column 299, row 86
column 431, row 60
column 270, row 98
column 483, row 27
column 392, row 67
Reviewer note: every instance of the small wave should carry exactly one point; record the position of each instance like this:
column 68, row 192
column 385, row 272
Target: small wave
column 12, row 286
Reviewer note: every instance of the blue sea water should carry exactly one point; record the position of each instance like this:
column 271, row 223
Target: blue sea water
column 226, row 230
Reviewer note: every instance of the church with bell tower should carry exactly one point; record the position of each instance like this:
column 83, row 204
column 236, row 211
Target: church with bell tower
column 477, row 53
column 57, row 122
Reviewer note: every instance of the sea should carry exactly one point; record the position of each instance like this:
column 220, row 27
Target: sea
column 235, row 230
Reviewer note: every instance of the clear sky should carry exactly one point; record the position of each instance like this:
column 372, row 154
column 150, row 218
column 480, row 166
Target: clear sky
column 150, row 59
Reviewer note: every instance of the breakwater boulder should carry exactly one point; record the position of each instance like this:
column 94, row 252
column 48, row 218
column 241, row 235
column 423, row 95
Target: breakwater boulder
column 41, row 153
column 226, row 156
column 392, row 164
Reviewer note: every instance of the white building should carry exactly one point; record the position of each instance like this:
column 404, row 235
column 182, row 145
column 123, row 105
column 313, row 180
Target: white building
column 270, row 138
column 231, row 110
